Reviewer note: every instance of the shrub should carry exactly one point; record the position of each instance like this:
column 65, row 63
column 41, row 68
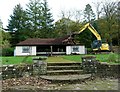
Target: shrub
column 7, row 51
column 89, row 50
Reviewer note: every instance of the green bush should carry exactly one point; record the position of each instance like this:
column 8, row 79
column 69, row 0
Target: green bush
column 89, row 50
column 7, row 51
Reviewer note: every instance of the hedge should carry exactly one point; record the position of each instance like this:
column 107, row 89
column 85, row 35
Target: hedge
column 7, row 51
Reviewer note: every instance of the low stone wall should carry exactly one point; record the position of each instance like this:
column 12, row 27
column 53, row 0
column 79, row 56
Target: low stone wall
column 102, row 70
column 93, row 66
column 40, row 68
column 12, row 71
column 15, row 71
column 107, row 70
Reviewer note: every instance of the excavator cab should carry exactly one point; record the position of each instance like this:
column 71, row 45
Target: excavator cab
column 96, row 45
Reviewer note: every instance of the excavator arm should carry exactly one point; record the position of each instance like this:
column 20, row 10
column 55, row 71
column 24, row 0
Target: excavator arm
column 92, row 29
column 97, row 44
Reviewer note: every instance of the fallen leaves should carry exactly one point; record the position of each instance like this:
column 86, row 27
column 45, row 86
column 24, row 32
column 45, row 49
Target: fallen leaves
column 32, row 81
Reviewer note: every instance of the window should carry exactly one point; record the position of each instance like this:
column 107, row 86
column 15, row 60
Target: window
column 25, row 49
column 75, row 49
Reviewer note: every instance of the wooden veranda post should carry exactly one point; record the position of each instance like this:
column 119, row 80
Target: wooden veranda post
column 51, row 47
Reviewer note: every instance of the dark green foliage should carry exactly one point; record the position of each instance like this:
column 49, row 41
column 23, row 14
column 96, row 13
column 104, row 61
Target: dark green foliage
column 86, row 38
column 65, row 27
column 34, row 22
column 4, row 39
column 61, row 27
column 34, row 13
column 89, row 15
column 47, row 21
column 7, row 51
column 89, row 50
column 17, row 21
column 40, row 19
column 17, row 25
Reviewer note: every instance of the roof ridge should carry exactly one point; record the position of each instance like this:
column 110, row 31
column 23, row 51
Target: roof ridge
column 43, row 41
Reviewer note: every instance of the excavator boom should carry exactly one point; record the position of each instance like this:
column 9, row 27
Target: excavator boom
column 92, row 29
column 97, row 44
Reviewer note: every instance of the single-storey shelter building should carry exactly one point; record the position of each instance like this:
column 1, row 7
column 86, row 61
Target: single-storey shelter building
column 48, row 46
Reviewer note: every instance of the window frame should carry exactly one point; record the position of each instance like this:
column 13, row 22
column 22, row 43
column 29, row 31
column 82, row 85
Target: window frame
column 75, row 47
column 25, row 49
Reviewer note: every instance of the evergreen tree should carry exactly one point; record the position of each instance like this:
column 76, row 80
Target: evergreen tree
column 40, row 18
column 34, row 12
column 17, row 24
column 47, row 20
column 89, row 14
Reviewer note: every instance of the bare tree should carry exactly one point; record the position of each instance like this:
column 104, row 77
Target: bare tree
column 77, row 15
column 71, row 14
column 118, row 21
column 98, row 7
column 66, row 14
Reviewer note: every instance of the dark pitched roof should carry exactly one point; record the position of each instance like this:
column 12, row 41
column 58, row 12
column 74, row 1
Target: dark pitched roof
column 48, row 41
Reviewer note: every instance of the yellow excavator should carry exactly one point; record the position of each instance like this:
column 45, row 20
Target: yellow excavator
column 97, row 45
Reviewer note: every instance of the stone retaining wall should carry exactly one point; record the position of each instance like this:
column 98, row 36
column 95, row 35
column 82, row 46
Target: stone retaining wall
column 93, row 66
column 98, row 69
column 12, row 71
column 102, row 70
column 107, row 70
column 15, row 71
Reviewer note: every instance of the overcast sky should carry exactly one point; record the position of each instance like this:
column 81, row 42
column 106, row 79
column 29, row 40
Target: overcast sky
column 6, row 7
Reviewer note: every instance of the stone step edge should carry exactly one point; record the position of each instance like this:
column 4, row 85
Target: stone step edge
column 65, row 77
column 73, row 66
column 64, row 63
column 63, row 71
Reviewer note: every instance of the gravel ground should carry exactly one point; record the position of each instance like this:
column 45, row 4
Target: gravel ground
column 97, row 84
column 34, row 83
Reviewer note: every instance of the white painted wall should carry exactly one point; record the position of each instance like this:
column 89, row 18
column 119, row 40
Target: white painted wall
column 33, row 49
column 18, row 51
column 69, row 50
column 82, row 49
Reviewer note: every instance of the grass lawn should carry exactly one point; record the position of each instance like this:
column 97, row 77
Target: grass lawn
column 16, row 60
column 58, row 59
column 28, row 60
column 110, row 58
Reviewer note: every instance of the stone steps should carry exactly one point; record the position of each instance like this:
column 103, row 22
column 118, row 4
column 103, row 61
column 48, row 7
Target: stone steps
column 62, row 63
column 64, row 78
column 63, row 67
column 65, row 72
